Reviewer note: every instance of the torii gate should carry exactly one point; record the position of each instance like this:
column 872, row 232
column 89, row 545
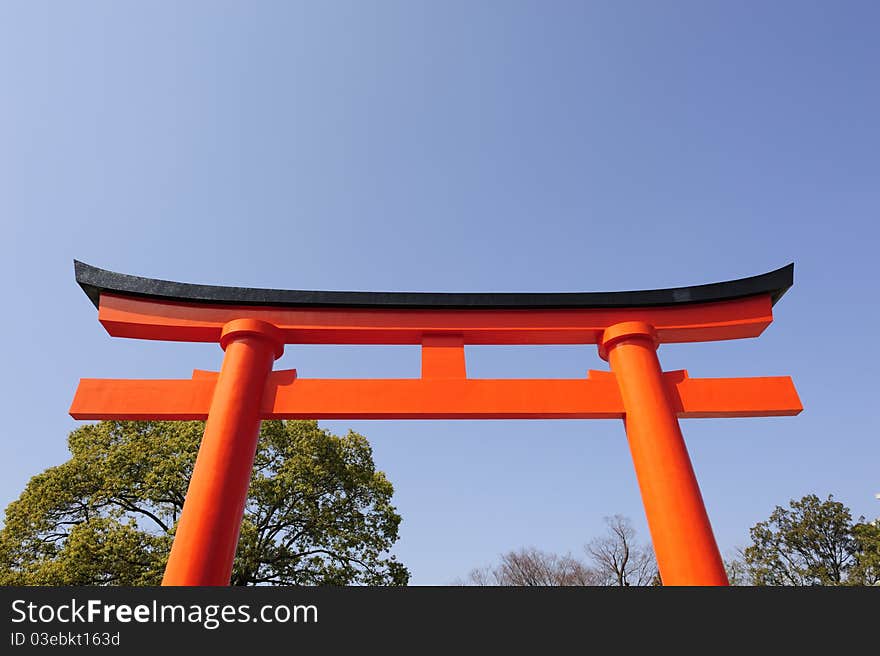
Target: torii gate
column 253, row 325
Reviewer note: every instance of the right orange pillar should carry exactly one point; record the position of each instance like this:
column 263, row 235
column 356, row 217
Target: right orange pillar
column 684, row 544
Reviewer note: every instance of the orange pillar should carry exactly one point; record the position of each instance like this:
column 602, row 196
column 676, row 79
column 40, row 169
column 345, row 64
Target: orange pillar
column 682, row 535
column 207, row 534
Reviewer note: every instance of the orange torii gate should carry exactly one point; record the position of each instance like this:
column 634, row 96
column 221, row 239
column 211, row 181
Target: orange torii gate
column 253, row 325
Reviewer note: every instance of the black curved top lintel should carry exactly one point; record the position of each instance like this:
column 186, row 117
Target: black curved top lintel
column 95, row 281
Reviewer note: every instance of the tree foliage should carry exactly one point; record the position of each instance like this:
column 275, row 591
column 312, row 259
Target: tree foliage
column 865, row 569
column 813, row 542
column 318, row 512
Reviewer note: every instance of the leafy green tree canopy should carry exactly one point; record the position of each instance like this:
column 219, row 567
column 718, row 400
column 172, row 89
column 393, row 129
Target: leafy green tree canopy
column 318, row 512
column 813, row 542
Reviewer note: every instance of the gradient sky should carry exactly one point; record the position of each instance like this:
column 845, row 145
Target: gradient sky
column 459, row 146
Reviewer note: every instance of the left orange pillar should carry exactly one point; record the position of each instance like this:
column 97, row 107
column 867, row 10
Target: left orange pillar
column 207, row 533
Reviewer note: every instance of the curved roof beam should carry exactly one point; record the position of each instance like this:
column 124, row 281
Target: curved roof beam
column 95, row 281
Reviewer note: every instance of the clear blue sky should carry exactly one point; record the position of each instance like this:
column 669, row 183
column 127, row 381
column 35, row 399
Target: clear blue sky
column 459, row 146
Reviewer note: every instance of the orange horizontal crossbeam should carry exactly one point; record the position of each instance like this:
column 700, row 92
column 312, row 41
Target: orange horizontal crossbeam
column 143, row 318
column 289, row 397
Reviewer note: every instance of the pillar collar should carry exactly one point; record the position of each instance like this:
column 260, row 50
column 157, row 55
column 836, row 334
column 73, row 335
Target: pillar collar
column 626, row 330
column 239, row 328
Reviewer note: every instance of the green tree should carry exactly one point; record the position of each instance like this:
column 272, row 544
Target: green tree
column 866, row 563
column 318, row 512
column 809, row 543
